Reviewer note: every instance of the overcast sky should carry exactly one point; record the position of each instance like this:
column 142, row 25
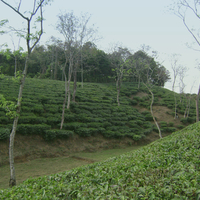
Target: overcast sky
column 129, row 22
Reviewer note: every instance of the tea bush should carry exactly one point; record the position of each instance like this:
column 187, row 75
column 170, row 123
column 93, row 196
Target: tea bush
column 30, row 129
column 57, row 133
column 4, row 133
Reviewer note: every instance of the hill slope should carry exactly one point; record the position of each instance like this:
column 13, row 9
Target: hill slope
column 94, row 114
column 165, row 169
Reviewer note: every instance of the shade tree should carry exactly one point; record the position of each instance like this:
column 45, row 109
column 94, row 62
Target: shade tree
column 118, row 59
column 188, row 12
column 31, row 38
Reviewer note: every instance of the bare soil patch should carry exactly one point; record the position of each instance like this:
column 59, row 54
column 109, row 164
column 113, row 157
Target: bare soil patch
column 33, row 147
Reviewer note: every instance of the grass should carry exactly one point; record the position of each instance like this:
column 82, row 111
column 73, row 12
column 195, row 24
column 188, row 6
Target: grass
column 168, row 168
column 47, row 166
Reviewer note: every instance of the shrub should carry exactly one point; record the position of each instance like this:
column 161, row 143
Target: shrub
column 171, row 129
column 50, row 135
column 53, row 120
column 133, row 102
column 137, row 137
column 163, row 124
column 133, row 124
column 170, row 124
column 106, row 124
column 32, row 120
column 86, row 132
column 64, row 134
column 37, row 109
column 57, row 133
column 191, row 119
column 4, row 120
column 183, row 120
column 94, row 124
column 180, row 126
column 4, row 133
column 148, row 117
column 118, row 123
column 74, row 125
column 29, row 129
column 109, row 134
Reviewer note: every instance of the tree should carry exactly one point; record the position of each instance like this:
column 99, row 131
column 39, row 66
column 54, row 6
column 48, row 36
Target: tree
column 31, row 41
column 75, row 31
column 150, row 68
column 176, row 70
column 183, row 9
column 118, row 59
column 68, row 27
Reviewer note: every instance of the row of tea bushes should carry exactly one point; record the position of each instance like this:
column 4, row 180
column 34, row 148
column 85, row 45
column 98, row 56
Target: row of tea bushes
column 165, row 169
column 95, row 110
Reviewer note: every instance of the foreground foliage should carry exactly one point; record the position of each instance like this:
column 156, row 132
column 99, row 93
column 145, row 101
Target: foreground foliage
column 166, row 169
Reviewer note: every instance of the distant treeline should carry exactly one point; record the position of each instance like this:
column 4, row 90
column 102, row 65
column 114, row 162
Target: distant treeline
column 97, row 66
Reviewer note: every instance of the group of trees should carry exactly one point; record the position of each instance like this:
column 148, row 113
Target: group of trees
column 90, row 64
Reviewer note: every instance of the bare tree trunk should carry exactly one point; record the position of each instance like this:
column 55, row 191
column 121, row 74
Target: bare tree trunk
column 68, row 86
column 151, row 109
column 56, row 65
column 65, row 99
column 197, row 105
column 12, row 181
column 75, row 86
column 138, row 81
column 175, row 113
column 15, row 66
column 118, row 84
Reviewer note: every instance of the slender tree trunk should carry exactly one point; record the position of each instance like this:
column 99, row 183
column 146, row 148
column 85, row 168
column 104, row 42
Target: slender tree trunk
column 175, row 113
column 56, row 65
column 65, row 99
column 12, row 181
column 75, row 86
column 151, row 109
column 138, row 81
column 15, row 66
column 118, row 91
column 197, row 105
column 68, row 86
column 188, row 112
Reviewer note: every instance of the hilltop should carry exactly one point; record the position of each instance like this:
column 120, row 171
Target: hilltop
column 165, row 169
column 93, row 122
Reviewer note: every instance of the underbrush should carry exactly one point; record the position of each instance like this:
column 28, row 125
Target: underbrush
column 168, row 168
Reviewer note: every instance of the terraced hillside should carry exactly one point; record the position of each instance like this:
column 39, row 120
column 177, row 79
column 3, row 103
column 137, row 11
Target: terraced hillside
column 168, row 168
column 94, row 113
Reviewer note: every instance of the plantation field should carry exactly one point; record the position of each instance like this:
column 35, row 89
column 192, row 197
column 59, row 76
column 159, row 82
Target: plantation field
column 168, row 168
column 95, row 110
column 94, row 115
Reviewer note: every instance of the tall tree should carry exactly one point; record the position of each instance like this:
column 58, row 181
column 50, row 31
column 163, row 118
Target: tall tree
column 185, row 9
column 149, row 72
column 31, row 40
column 68, row 27
column 118, row 59
column 75, row 32
column 176, row 70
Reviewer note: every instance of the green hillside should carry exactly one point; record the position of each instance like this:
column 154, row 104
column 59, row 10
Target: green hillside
column 165, row 169
column 94, row 112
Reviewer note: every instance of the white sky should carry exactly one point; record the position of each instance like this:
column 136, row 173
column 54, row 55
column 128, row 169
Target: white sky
column 129, row 22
